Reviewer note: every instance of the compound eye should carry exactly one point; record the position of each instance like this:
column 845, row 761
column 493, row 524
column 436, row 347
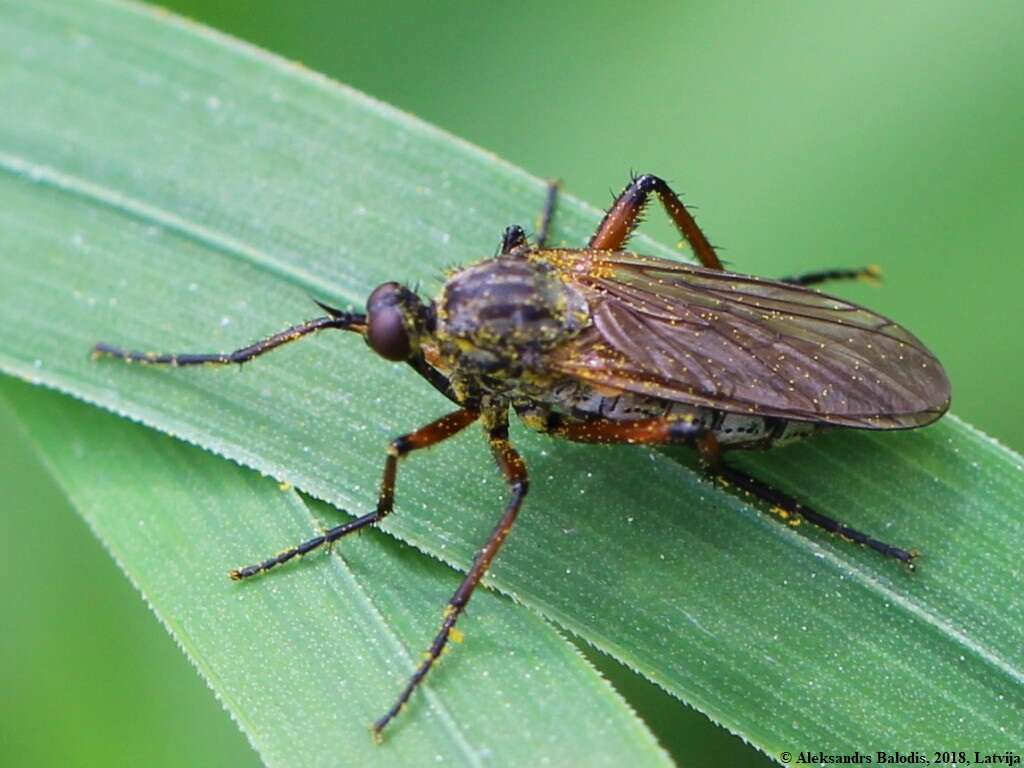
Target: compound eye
column 386, row 333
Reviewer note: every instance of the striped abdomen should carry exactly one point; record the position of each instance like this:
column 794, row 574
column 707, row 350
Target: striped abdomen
column 733, row 430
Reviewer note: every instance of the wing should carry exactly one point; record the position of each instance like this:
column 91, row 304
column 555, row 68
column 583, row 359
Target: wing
column 744, row 344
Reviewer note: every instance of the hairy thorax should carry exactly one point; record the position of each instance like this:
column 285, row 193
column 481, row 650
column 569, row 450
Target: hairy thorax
column 497, row 321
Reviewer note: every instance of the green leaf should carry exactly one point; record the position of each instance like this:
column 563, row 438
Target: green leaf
column 190, row 203
column 304, row 661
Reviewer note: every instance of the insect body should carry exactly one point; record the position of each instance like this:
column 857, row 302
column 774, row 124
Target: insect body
column 510, row 328
column 602, row 345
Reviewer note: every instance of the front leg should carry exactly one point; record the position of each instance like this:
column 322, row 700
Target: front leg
column 335, row 318
column 436, row 379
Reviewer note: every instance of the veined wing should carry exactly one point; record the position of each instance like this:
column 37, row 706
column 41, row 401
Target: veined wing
column 744, row 344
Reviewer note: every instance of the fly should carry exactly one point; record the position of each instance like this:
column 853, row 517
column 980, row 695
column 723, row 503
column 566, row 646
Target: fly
column 603, row 345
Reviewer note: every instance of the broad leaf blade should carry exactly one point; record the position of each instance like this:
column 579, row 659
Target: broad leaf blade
column 190, row 213
column 306, row 660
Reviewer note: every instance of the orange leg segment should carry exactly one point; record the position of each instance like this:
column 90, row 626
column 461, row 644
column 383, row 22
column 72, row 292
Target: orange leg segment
column 624, row 216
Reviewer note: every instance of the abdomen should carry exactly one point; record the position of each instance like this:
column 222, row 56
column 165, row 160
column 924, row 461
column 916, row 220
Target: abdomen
column 576, row 401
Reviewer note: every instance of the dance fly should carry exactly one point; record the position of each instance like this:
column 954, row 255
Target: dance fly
column 603, row 345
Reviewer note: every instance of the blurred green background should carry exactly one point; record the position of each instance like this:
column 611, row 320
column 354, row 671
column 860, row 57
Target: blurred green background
column 810, row 134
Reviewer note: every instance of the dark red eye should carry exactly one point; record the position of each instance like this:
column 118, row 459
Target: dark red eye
column 386, row 332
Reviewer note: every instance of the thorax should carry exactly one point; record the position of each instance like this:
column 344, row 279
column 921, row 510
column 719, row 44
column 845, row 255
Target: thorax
column 496, row 321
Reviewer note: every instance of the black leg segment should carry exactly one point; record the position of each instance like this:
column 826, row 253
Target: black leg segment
column 789, row 505
column 346, row 321
column 871, row 273
column 513, row 238
column 548, row 214
column 431, row 434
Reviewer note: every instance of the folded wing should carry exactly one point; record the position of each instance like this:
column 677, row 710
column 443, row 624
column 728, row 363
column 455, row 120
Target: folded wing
column 740, row 343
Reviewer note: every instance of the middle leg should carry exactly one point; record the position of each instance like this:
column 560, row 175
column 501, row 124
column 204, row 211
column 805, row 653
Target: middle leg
column 514, row 470
column 432, row 434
